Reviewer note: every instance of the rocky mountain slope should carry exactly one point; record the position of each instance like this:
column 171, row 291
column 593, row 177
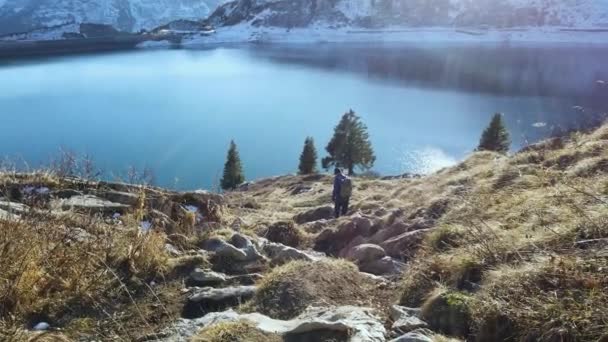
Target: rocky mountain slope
column 125, row 15
column 497, row 248
column 383, row 13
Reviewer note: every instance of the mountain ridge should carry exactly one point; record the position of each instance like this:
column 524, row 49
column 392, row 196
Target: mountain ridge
column 125, row 15
column 415, row 13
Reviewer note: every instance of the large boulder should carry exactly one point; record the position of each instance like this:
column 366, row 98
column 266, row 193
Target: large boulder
column 405, row 245
column 406, row 320
column 385, row 266
column 280, row 254
column 399, row 227
column 239, row 256
column 205, row 300
column 333, row 241
column 321, row 213
column 207, row 278
column 355, row 324
column 13, row 207
column 365, row 253
column 200, row 277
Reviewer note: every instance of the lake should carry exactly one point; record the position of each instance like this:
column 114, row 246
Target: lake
column 175, row 111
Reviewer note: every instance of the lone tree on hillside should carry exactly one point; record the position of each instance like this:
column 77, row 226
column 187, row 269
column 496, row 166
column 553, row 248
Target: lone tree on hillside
column 233, row 170
column 495, row 137
column 350, row 146
column 308, row 158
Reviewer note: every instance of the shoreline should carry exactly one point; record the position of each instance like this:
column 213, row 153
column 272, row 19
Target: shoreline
column 245, row 34
column 249, row 34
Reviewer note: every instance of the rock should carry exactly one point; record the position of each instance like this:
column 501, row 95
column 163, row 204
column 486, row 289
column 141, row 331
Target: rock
column 345, row 252
column 200, row 277
column 334, row 241
column 13, row 207
column 125, row 198
column 8, row 216
column 321, row 213
column 90, row 204
column 65, row 193
column 245, row 244
column 404, row 245
column 246, row 279
column 359, row 323
column 314, row 227
column 224, row 249
column 172, row 250
column 206, row 300
column 365, row 253
column 237, row 257
column 384, row 266
column 42, row 326
column 406, row 320
column 398, row 228
column 420, row 335
column 280, row 254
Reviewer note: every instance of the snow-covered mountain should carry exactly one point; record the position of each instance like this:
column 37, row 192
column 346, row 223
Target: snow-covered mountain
column 383, row 13
column 126, row 15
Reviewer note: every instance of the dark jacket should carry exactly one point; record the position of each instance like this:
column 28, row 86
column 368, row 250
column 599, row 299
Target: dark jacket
column 338, row 186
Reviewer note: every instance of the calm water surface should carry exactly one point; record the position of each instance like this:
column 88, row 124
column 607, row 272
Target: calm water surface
column 175, row 111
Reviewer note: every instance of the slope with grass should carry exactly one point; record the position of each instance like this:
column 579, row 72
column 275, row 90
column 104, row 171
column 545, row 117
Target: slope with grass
column 497, row 248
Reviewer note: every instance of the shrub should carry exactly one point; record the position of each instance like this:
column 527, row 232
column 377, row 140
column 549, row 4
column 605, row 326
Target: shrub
column 448, row 312
column 234, row 332
column 289, row 289
column 286, row 233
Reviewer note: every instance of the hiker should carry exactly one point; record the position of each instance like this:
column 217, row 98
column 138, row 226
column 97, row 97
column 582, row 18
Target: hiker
column 343, row 189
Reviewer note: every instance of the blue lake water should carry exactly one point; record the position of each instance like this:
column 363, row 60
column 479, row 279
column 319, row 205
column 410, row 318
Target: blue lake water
column 175, row 111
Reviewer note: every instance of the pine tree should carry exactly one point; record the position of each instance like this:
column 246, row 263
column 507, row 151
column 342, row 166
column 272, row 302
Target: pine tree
column 496, row 136
column 233, row 170
column 350, row 146
column 308, row 158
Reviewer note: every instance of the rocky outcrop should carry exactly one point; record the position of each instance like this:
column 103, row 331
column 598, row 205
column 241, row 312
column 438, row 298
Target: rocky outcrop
column 406, row 320
column 356, row 324
column 238, row 256
column 205, row 300
column 89, row 204
column 333, row 241
column 280, row 254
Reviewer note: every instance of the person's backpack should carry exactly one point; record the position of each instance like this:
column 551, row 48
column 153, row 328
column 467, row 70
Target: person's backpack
column 346, row 188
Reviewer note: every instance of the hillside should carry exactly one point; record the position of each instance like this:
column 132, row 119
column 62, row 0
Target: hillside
column 437, row 13
column 497, row 248
column 125, row 15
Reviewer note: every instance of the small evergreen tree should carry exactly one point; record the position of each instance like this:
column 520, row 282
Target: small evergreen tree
column 350, row 146
column 308, row 158
column 233, row 170
column 496, row 136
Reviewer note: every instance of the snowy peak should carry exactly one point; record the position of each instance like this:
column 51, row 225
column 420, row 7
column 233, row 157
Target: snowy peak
column 382, row 13
column 125, row 15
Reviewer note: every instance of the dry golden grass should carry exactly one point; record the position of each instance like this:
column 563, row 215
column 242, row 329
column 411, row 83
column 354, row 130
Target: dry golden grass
column 235, row 332
column 289, row 289
column 51, row 271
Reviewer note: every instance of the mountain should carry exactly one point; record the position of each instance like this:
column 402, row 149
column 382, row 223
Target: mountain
column 383, row 13
column 125, row 15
